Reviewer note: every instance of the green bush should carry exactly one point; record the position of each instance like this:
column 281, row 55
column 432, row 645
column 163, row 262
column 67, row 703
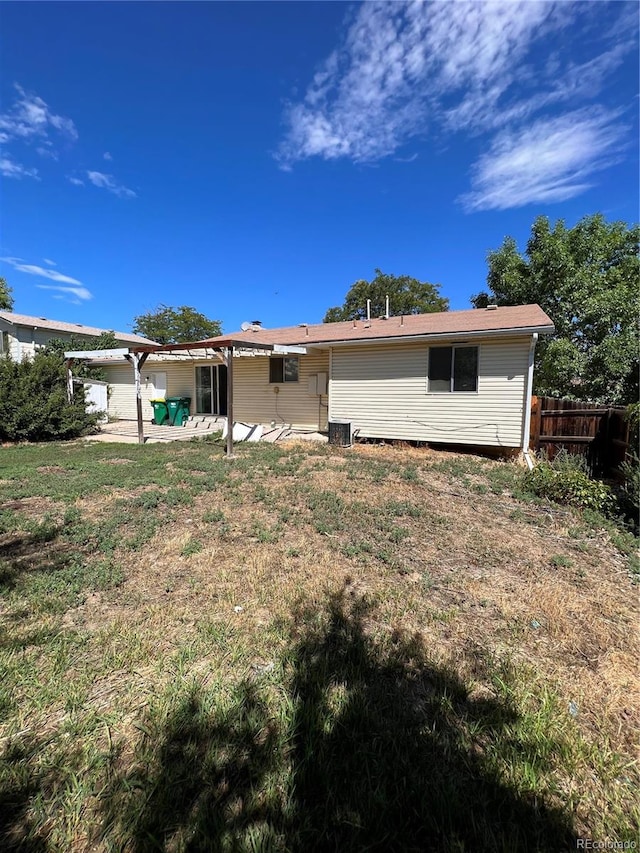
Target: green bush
column 630, row 498
column 566, row 481
column 33, row 401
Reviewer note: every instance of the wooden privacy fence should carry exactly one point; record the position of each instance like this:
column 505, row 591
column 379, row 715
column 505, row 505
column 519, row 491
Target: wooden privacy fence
column 599, row 433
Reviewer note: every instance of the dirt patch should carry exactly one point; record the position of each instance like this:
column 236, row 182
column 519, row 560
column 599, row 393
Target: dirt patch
column 31, row 508
column 51, row 469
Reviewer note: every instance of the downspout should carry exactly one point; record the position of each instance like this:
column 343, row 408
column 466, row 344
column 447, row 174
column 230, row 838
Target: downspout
column 527, row 410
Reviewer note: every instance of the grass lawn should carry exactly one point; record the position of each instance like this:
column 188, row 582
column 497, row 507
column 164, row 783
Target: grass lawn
column 308, row 648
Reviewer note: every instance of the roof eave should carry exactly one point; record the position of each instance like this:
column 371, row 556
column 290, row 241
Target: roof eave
column 432, row 336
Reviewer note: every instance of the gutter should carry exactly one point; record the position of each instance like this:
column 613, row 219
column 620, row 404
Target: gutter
column 425, row 337
column 527, row 410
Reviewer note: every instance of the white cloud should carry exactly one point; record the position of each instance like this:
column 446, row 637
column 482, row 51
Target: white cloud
column 108, row 182
column 397, row 63
column 75, row 181
column 49, row 262
column 10, row 169
column 30, row 117
column 107, row 156
column 29, row 120
column 547, row 162
column 80, row 293
column 406, row 69
column 47, row 150
column 33, row 269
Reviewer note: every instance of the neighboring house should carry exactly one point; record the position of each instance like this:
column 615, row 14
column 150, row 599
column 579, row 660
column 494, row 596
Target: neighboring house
column 461, row 377
column 22, row 336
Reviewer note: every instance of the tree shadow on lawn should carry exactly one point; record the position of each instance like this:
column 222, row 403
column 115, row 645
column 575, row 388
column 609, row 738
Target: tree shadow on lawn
column 21, row 782
column 371, row 748
column 27, row 553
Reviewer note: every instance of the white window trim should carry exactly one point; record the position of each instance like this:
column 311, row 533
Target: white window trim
column 451, row 391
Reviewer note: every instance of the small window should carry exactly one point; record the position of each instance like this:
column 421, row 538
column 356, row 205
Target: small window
column 453, row 369
column 283, row 369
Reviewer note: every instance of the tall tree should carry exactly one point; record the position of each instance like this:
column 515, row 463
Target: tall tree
column 6, row 298
column 406, row 296
column 58, row 347
column 586, row 279
column 168, row 325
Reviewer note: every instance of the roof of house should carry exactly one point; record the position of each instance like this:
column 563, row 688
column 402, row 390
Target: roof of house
column 69, row 328
column 517, row 319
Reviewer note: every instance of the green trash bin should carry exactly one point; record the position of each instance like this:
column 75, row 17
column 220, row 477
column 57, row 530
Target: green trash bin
column 178, row 410
column 160, row 412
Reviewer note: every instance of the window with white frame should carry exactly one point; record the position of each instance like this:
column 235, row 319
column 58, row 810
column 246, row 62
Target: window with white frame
column 283, row 369
column 453, row 369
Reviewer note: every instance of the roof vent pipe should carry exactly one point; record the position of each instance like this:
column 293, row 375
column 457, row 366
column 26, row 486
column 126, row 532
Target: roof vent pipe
column 368, row 309
column 402, row 319
column 386, row 312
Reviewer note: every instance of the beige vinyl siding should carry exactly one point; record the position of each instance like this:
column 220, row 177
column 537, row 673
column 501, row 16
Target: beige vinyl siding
column 122, row 392
column 382, row 390
column 255, row 401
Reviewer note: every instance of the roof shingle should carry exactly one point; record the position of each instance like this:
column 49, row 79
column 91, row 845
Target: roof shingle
column 477, row 320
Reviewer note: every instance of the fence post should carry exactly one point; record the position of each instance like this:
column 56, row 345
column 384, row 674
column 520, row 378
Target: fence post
column 534, row 427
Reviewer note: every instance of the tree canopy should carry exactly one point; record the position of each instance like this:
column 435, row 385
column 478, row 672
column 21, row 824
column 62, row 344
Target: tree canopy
column 6, row 298
column 406, row 296
column 58, row 347
column 168, row 325
column 586, row 279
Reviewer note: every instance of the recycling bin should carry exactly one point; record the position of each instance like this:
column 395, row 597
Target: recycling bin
column 178, row 410
column 160, row 412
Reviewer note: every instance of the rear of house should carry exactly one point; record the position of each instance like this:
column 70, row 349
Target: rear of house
column 460, row 377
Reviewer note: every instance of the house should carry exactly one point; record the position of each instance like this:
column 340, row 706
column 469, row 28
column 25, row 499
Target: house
column 22, row 336
column 460, row 377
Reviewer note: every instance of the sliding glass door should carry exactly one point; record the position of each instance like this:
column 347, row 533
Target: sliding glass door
column 211, row 390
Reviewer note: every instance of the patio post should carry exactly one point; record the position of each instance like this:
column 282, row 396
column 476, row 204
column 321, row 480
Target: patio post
column 230, row 402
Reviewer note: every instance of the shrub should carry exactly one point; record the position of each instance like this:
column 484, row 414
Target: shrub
column 630, row 491
column 566, row 481
column 33, row 401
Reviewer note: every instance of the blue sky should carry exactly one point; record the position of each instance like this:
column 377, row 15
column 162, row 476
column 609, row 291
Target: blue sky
column 255, row 159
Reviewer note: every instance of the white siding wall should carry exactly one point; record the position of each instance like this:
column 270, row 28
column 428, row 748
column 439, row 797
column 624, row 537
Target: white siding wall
column 24, row 342
column 255, row 400
column 382, row 389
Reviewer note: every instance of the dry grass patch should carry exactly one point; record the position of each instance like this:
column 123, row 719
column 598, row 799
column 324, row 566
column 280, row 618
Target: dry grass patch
column 394, row 609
